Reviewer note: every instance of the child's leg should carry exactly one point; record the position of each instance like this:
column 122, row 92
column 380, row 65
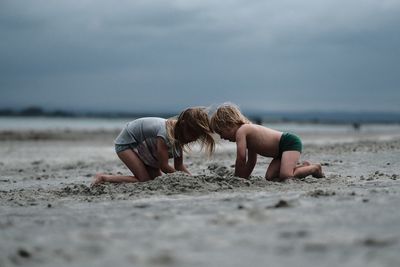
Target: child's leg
column 313, row 169
column 273, row 169
column 288, row 164
column 101, row 178
column 275, row 166
column 305, row 163
column 134, row 164
column 153, row 172
column 289, row 169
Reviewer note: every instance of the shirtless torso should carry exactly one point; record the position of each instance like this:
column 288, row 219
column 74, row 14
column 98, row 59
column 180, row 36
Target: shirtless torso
column 258, row 139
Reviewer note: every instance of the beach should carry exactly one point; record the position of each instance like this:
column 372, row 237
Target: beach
column 50, row 216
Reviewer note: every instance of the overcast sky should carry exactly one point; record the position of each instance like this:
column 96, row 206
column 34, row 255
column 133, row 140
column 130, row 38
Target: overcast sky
column 281, row 55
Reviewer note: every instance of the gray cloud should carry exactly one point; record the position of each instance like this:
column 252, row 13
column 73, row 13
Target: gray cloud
column 135, row 55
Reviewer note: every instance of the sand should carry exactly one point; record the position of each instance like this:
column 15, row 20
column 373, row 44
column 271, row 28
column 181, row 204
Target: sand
column 49, row 215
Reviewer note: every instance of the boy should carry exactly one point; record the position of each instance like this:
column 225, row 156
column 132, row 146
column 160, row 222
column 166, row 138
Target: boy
column 252, row 139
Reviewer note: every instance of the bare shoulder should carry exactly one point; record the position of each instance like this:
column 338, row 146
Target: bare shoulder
column 247, row 130
column 244, row 129
column 256, row 131
column 251, row 128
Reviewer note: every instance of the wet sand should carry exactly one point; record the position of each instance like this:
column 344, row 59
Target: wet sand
column 49, row 216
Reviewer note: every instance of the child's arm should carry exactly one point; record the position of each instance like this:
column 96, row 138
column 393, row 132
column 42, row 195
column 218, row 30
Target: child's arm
column 162, row 153
column 241, row 149
column 251, row 162
column 179, row 166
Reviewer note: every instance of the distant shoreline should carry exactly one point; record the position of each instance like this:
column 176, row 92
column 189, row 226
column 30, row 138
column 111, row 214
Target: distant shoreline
column 315, row 117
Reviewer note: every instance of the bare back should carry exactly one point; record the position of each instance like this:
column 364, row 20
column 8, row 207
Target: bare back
column 261, row 140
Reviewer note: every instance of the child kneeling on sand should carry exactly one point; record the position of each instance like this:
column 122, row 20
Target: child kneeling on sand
column 146, row 144
column 252, row 139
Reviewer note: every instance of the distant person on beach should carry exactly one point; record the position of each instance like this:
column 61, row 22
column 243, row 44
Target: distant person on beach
column 252, row 140
column 145, row 145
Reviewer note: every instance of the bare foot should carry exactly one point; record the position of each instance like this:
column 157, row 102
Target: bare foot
column 99, row 178
column 306, row 163
column 303, row 164
column 318, row 171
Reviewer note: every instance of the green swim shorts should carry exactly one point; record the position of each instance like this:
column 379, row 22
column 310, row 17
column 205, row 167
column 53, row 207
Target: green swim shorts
column 289, row 142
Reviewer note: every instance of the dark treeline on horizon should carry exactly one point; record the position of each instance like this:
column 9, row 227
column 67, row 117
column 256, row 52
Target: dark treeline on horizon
column 40, row 112
column 257, row 117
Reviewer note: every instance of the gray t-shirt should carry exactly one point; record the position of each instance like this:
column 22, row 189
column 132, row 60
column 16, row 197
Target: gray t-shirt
column 145, row 130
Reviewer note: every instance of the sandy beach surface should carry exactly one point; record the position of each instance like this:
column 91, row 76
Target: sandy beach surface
column 49, row 216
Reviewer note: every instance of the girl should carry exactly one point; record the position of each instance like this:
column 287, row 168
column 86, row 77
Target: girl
column 146, row 144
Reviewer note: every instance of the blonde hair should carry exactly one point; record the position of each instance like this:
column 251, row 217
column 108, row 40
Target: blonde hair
column 195, row 120
column 227, row 116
